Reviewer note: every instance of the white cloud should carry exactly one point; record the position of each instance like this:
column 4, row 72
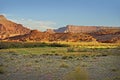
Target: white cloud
column 36, row 24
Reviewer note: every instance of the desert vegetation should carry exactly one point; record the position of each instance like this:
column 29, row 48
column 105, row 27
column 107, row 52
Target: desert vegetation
column 6, row 45
column 59, row 61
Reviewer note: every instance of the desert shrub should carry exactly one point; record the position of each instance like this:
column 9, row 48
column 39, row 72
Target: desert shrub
column 35, row 44
column 29, row 64
column 52, row 51
column 15, row 45
column 36, row 61
column 84, row 64
column 65, row 57
column 6, row 45
column 58, row 45
column 77, row 49
column 70, row 49
column 84, row 55
column 117, row 78
column 114, row 70
column 77, row 74
column 2, row 70
column 82, row 49
column 56, row 54
column 104, row 55
column 68, row 57
column 71, row 57
column 64, row 65
column 47, row 54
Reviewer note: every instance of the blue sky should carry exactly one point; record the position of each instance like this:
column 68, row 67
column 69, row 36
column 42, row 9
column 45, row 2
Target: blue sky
column 43, row 14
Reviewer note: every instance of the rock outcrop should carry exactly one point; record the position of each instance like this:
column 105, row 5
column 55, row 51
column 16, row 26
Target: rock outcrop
column 35, row 35
column 50, row 31
column 100, row 33
column 107, row 35
column 9, row 28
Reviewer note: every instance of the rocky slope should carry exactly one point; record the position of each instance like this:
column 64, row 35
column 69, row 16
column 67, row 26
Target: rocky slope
column 36, row 35
column 100, row 33
column 107, row 35
column 104, row 35
column 9, row 28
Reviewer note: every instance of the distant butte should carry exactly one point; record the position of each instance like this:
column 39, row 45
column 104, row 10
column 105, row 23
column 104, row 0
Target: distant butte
column 80, row 29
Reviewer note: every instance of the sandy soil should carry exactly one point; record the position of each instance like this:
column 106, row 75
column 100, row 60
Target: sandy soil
column 56, row 67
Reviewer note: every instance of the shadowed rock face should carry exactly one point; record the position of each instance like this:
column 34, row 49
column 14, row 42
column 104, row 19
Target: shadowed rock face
column 107, row 35
column 9, row 28
column 61, row 30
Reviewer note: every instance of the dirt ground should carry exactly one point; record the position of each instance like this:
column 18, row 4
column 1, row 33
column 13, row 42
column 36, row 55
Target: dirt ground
column 58, row 67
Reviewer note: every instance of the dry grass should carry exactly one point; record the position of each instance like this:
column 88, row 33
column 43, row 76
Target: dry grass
column 77, row 74
column 2, row 70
